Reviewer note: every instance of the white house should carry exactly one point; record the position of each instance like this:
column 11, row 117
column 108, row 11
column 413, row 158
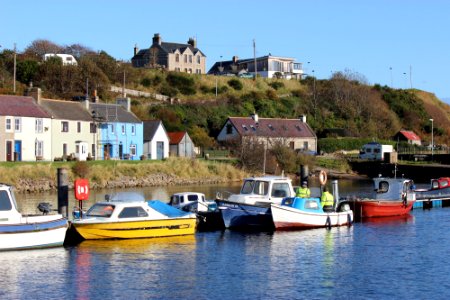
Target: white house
column 156, row 141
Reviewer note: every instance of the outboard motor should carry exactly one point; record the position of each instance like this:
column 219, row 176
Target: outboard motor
column 44, row 207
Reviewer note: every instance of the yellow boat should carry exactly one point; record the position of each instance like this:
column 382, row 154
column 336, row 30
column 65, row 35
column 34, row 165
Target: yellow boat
column 121, row 219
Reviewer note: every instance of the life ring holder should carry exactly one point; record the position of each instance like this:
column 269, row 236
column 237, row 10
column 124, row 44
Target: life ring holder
column 323, row 177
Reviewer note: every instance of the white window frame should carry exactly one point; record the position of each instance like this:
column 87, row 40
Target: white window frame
column 8, row 125
column 39, row 148
column 112, row 129
column 17, row 124
column 123, row 129
column 78, row 127
column 63, row 127
column 133, row 150
column 133, row 129
column 39, row 125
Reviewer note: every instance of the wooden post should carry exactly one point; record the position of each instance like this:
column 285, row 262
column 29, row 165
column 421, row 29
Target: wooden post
column 304, row 174
column 63, row 192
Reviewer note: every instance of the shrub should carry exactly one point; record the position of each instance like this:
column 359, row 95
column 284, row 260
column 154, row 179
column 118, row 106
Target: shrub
column 235, row 84
column 168, row 90
column 277, row 85
column 185, row 84
column 146, row 82
column 81, row 169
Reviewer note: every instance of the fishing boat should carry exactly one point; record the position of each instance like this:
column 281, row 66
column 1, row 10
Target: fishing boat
column 128, row 215
column 208, row 214
column 439, row 189
column 18, row 232
column 304, row 213
column 390, row 197
column 250, row 209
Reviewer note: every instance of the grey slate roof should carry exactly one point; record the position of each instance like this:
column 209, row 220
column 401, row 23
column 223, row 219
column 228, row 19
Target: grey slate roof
column 150, row 128
column 66, row 110
column 268, row 127
column 113, row 113
column 21, row 106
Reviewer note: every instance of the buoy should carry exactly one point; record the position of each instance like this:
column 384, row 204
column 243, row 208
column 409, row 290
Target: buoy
column 323, row 177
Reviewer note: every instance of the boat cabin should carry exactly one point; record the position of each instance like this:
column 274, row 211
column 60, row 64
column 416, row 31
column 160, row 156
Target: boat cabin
column 265, row 189
column 9, row 213
column 440, row 183
column 393, row 189
column 192, row 201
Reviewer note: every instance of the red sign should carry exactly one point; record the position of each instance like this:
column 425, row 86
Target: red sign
column 81, row 187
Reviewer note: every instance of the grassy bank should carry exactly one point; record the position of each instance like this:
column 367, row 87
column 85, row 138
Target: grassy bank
column 42, row 176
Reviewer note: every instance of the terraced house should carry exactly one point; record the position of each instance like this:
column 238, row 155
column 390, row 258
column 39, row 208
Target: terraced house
column 25, row 130
column 185, row 58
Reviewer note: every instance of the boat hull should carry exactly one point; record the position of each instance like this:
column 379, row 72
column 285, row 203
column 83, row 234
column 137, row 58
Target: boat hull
column 375, row 208
column 288, row 218
column 35, row 232
column 135, row 229
column 210, row 221
column 246, row 217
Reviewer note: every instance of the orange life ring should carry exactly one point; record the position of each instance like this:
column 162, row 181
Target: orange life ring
column 323, row 177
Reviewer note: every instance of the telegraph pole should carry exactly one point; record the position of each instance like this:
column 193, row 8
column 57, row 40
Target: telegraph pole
column 14, row 75
column 254, row 55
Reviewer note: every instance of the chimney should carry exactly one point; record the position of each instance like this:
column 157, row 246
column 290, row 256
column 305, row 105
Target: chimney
column 34, row 92
column 192, row 42
column 235, row 59
column 156, row 39
column 136, row 49
column 125, row 102
column 303, row 118
column 254, row 117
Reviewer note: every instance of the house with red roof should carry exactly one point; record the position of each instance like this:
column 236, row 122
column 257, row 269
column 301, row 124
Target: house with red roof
column 25, row 130
column 294, row 133
column 408, row 136
column 181, row 144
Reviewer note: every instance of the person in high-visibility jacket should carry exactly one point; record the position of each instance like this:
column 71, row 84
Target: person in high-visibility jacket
column 327, row 200
column 303, row 191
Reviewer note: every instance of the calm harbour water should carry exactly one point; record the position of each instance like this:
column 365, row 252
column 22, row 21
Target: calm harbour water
column 395, row 258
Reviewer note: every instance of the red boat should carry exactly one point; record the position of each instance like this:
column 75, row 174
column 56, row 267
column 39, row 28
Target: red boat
column 391, row 197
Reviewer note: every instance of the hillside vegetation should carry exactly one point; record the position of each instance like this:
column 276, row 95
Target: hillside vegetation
column 202, row 102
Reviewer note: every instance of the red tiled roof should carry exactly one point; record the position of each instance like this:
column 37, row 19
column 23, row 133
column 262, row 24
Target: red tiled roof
column 175, row 137
column 410, row 135
column 266, row 127
column 21, row 106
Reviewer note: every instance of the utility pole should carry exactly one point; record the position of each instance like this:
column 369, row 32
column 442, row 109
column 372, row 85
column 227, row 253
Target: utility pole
column 254, row 55
column 87, row 88
column 123, row 85
column 14, row 75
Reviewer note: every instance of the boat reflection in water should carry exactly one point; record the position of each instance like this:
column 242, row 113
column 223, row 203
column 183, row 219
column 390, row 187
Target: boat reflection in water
column 393, row 220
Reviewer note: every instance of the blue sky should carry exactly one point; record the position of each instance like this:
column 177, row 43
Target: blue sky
column 367, row 37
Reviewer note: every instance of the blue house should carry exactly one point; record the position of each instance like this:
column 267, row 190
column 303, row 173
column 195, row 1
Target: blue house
column 120, row 133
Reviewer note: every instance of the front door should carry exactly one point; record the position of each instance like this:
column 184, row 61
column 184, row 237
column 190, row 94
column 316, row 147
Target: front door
column 159, row 150
column 17, row 150
column 9, row 151
column 121, row 151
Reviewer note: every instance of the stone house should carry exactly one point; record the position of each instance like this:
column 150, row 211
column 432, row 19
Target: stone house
column 185, row 58
column 294, row 133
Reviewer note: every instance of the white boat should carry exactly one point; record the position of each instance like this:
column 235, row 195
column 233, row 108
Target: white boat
column 128, row 215
column 250, row 209
column 208, row 214
column 303, row 213
column 19, row 231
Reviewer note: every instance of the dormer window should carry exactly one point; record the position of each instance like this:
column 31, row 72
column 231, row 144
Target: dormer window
column 298, row 127
column 284, row 127
column 253, row 127
column 245, row 127
column 271, row 127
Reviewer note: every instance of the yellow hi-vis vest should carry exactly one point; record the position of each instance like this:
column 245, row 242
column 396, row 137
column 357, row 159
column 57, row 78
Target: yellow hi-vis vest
column 303, row 192
column 327, row 199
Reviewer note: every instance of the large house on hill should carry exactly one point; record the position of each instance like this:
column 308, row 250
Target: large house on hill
column 185, row 58
column 294, row 133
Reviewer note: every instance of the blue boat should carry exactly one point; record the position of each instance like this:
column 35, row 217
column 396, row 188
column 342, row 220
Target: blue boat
column 250, row 209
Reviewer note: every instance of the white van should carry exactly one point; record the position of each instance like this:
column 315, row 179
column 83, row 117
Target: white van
column 67, row 59
column 375, row 151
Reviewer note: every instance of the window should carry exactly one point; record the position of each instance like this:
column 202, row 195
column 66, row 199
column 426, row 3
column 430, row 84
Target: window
column 185, row 58
column 8, row 125
column 177, row 57
column 298, row 127
column 123, row 129
column 100, row 210
column 253, row 127
column 229, row 129
column 190, row 58
column 133, row 212
column 18, row 124
column 247, row 188
column 245, row 128
column 78, row 127
column 39, row 148
column 198, row 59
column 261, row 188
column 64, row 149
column 112, row 128
column 193, row 197
column 175, row 200
column 133, row 129
column 281, row 189
column 64, row 126
column 271, row 127
column 93, row 128
column 133, row 150
column 383, row 187
column 5, row 203
column 38, row 125
column 305, row 146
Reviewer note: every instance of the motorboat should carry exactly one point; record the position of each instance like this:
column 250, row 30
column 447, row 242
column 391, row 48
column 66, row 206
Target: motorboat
column 251, row 208
column 390, row 197
column 129, row 215
column 208, row 214
column 18, row 232
column 304, row 213
column 439, row 189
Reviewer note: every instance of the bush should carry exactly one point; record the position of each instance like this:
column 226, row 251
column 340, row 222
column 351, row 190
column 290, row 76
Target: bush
column 81, row 169
column 277, row 85
column 168, row 90
column 185, row 84
column 146, row 82
column 235, row 84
